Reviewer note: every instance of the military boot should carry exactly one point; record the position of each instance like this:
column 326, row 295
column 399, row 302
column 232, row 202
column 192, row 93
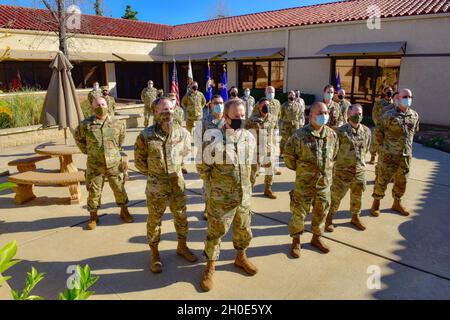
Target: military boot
column 207, row 279
column 372, row 159
column 183, row 251
column 277, row 172
column 317, row 242
column 397, row 206
column 125, row 214
column 155, row 261
column 357, row 223
column 375, row 210
column 269, row 193
column 295, row 248
column 242, row 261
column 329, row 227
column 184, row 170
column 93, row 220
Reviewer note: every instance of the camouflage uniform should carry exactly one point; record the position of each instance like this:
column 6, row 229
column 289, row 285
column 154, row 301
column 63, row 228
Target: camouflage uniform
column 101, row 141
column 111, row 102
column 311, row 154
column 291, row 115
column 395, row 138
column 249, row 105
column 94, row 94
column 350, row 166
column 158, row 156
column 336, row 118
column 193, row 103
column 379, row 109
column 178, row 115
column 148, row 95
column 230, row 191
column 303, row 107
column 344, row 104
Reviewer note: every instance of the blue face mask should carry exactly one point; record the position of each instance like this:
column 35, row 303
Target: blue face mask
column 407, row 102
column 270, row 96
column 322, row 119
column 328, row 96
column 218, row 108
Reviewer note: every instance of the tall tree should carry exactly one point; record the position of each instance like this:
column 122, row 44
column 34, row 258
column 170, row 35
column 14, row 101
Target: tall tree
column 220, row 10
column 98, row 7
column 129, row 13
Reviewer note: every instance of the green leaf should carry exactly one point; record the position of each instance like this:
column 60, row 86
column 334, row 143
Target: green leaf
column 15, row 295
column 4, row 279
column 7, row 185
column 7, row 253
column 7, row 265
column 34, row 298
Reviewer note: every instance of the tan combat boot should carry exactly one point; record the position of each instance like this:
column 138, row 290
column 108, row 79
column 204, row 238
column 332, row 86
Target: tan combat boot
column 397, row 206
column 155, row 262
column 183, row 251
column 329, row 227
column 295, row 248
column 242, row 261
column 207, row 279
column 357, row 223
column 317, row 242
column 375, row 210
column 269, row 193
column 93, row 220
column 125, row 214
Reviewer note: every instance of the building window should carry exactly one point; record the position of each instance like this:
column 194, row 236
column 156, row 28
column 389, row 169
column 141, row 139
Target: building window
column 84, row 74
column 260, row 74
column 24, row 75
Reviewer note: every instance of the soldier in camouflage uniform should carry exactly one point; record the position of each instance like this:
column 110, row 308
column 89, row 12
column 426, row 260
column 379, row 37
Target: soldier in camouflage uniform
column 249, row 103
column 101, row 137
column 291, row 115
column 148, row 95
column 311, row 152
column 344, row 104
column 379, row 109
column 111, row 102
column 301, row 102
column 226, row 165
column 334, row 110
column 262, row 125
column 94, row 93
column 178, row 112
column 397, row 128
column 349, row 169
column 158, row 154
column 193, row 102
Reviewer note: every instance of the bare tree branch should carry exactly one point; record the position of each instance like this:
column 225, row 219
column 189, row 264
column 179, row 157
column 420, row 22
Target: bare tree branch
column 55, row 16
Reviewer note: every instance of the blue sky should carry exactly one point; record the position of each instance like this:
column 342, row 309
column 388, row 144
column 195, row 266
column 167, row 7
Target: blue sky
column 178, row 11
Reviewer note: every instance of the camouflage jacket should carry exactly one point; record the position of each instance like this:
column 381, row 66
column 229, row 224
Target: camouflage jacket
column 193, row 104
column 311, row 154
column 101, row 141
column 292, row 113
column 178, row 115
column 158, row 155
column 148, row 95
column 210, row 122
column 111, row 105
column 344, row 105
column 397, row 130
column 94, row 94
column 262, row 128
column 379, row 108
column 226, row 165
column 249, row 105
column 274, row 110
column 336, row 118
column 353, row 147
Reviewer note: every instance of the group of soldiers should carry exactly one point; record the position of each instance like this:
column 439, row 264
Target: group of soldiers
column 327, row 154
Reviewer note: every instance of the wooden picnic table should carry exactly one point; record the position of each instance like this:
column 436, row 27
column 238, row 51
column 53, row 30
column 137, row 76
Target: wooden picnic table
column 63, row 152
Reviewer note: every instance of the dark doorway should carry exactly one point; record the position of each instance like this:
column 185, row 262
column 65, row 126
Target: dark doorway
column 132, row 77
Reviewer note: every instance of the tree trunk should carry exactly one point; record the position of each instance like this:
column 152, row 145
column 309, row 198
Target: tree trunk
column 62, row 27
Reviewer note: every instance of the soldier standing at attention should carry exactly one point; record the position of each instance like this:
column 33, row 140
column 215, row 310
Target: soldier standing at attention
column 94, row 93
column 334, row 110
column 310, row 152
column 158, row 153
column 193, row 102
column 148, row 95
column 298, row 98
column 397, row 128
column 109, row 100
column 379, row 109
column 291, row 114
column 249, row 103
column 344, row 104
column 350, row 168
column 101, row 137
column 227, row 169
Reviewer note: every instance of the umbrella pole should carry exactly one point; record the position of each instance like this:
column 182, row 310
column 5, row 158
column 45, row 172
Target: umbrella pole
column 65, row 135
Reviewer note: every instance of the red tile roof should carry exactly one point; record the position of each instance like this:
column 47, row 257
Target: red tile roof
column 350, row 10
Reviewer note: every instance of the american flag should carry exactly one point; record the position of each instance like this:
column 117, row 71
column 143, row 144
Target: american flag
column 174, row 88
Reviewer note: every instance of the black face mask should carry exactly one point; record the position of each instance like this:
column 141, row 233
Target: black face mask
column 341, row 97
column 237, row 124
column 265, row 109
column 389, row 94
column 233, row 94
column 291, row 98
column 194, row 88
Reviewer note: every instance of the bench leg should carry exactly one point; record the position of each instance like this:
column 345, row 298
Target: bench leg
column 75, row 193
column 24, row 193
column 26, row 167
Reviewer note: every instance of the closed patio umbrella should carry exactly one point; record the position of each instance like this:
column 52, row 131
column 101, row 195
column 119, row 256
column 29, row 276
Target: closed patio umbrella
column 61, row 105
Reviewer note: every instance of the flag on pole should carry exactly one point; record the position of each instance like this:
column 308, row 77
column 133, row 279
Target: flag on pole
column 338, row 82
column 224, row 90
column 209, row 89
column 190, row 74
column 174, row 87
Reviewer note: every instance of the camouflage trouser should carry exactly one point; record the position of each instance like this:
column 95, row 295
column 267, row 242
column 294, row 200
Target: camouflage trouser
column 219, row 223
column 391, row 166
column 158, row 193
column 95, row 179
column 287, row 130
column 301, row 202
column 268, row 177
column 342, row 181
column 147, row 113
column 374, row 147
column 206, row 193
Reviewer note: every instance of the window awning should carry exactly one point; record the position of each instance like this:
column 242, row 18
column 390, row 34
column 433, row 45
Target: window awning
column 256, row 53
column 92, row 56
column 195, row 56
column 364, row 48
column 133, row 57
column 23, row 55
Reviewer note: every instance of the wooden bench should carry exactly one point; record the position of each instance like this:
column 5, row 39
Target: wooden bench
column 27, row 164
column 26, row 180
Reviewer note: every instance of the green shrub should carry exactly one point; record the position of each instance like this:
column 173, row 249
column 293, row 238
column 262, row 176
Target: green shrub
column 6, row 115
column 434, row 142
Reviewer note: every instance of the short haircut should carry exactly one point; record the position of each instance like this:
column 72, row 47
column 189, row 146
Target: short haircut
column 355, row 105
column 316, row 105
column 264, row 99
column 216, row 96
column 329, row 86
column 385, row 90
column 158, row 101
column 231, row 103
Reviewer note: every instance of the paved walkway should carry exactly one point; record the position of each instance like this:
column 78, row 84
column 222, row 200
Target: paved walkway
column 412, row 254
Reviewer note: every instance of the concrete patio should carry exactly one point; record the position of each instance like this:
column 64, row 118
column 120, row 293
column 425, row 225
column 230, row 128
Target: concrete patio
column 413, row 253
